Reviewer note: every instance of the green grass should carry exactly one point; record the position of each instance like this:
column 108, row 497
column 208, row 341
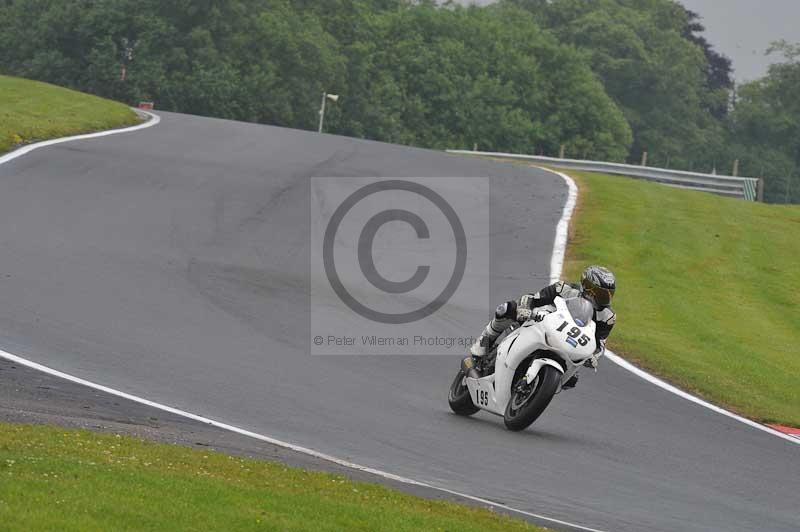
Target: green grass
column 31, row 111
column 57, row 479
column 708, row 289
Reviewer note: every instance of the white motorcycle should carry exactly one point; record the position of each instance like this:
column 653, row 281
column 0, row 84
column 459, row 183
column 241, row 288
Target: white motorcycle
column 530, row 365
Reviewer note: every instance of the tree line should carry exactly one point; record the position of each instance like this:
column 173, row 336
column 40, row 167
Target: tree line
column 600, row 79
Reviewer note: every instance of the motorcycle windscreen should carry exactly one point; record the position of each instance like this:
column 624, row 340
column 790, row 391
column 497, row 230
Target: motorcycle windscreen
column 581, row 310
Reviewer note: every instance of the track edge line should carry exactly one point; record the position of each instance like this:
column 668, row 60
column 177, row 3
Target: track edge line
column 279, row 443
column 556, row 267
column 153, row 121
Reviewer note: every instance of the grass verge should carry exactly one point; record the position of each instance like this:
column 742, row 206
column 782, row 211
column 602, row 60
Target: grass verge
column 56, row 479
column 708, row 289
column 31, row 111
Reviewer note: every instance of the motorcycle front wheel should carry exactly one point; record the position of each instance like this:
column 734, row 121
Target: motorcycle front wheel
column 459, row 397
column 528, row 401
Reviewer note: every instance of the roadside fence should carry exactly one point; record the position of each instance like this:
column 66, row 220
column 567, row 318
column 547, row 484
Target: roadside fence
column 747, row 188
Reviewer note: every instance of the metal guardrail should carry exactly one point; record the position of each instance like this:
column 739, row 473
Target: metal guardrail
column 746, row 188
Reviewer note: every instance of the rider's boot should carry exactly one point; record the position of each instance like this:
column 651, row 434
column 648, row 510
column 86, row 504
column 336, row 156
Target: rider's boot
column 474, row 365
column 470, row 367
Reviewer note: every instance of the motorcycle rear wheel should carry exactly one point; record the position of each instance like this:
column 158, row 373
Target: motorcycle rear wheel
column 459, row 397
column 526, row 405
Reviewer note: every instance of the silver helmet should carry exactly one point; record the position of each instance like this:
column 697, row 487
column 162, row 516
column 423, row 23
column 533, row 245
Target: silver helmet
column 598, row 285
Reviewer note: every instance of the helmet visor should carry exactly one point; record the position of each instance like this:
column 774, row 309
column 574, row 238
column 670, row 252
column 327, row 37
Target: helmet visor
column 602, row 296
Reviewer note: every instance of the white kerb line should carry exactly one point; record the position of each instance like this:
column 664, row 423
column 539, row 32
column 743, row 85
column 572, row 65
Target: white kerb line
column 225, row 426
column 556, row 268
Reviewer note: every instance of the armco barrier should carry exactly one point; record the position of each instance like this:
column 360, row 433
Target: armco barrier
column 737, row 187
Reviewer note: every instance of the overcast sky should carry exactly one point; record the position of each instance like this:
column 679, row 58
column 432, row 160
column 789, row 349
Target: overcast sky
column 743, row 29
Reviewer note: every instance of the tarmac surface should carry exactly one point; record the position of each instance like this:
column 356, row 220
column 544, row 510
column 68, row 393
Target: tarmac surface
column 173, row 264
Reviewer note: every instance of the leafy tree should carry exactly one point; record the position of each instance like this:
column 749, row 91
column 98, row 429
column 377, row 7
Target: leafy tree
column 458, row 76
column 653, row 64
column 607, row 79
column 720, row 68
column 415, row 73
column 765, row 126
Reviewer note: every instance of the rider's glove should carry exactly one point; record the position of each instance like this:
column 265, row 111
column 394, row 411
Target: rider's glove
column 539, row 316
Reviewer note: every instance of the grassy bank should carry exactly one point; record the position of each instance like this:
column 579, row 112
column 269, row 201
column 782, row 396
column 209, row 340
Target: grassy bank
column 708, row 289
column 56, row 479
column 31, row 111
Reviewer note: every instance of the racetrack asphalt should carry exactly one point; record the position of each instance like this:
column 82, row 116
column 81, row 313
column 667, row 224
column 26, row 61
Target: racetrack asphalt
column 172, row 264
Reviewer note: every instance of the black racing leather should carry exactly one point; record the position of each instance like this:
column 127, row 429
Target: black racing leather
column 506, row 311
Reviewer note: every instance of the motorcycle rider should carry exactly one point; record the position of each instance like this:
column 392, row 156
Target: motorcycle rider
column 597, row 285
